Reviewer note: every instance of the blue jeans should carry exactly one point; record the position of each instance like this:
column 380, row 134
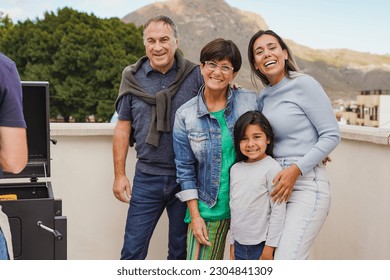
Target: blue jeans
column 307, row 210
column 151, row 194
column 3, row 247
column 248, row 252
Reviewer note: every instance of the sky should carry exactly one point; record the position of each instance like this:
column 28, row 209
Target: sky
column 359, row 25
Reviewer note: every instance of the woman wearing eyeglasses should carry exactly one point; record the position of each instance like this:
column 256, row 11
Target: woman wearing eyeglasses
column 204, row 149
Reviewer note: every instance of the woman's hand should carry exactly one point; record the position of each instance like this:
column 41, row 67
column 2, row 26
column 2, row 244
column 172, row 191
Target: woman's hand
column 200, row 231
column 285, row 181
column 326, row 160
column 198, row 225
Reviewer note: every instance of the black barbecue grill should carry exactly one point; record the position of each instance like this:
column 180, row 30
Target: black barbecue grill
column 39, row 230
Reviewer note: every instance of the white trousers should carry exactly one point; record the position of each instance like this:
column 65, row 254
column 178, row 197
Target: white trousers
column 307, row 210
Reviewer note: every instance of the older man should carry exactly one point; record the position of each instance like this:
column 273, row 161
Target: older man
column 151, row 90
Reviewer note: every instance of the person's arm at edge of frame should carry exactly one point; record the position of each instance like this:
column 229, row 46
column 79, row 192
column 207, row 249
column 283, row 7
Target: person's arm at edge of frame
column 13, row 139
column 13, row 149
column 121, row 186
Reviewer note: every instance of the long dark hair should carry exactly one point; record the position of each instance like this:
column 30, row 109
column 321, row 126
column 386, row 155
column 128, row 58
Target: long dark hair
column 254, row 118
column 290, row 64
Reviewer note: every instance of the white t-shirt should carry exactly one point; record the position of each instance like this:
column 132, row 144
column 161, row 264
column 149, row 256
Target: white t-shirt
column 254, row 217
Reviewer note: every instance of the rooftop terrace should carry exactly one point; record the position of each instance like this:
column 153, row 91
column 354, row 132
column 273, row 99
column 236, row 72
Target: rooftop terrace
column 358, row 226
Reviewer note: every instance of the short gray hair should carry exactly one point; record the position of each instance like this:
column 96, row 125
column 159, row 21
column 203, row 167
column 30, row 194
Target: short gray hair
column 167, row 21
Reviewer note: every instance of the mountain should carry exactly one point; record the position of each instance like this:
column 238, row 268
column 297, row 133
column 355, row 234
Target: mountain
column 341, row 72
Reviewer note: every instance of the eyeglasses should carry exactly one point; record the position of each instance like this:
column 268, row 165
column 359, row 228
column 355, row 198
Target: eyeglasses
column 224, row 68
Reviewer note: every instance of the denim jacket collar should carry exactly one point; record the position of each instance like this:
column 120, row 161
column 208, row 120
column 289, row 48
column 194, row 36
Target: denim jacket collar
column 202, row 107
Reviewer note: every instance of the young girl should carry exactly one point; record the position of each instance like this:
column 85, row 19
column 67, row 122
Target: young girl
column 256, row 221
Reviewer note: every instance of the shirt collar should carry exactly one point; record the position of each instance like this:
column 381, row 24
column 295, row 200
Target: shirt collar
column 147, row 68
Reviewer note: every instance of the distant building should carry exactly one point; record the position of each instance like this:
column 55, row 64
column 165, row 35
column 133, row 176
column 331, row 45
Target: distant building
column 372, row 108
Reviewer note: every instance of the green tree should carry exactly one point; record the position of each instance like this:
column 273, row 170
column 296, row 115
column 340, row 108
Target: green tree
column 81, row 56
column 5, row 24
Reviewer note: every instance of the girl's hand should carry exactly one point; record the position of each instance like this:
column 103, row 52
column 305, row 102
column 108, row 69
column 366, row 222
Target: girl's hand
column 232, row 251
column 268, row 253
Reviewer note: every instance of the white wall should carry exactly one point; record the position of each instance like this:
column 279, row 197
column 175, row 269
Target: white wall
column 358, row 226
column 82, row 176
column 384, row 111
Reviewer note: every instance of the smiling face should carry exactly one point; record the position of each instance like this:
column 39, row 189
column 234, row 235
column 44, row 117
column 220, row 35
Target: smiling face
column 254, row 143
column 160, row 45
column 216, row 79
column 270, row 58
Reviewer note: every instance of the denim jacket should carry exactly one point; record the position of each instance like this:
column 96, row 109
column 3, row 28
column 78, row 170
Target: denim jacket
column 197, row 143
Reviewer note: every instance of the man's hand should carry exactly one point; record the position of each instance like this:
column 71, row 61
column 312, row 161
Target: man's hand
column 122, row 189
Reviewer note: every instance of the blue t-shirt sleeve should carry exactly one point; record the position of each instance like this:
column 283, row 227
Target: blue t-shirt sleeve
column 124, row 108
column 11, row 97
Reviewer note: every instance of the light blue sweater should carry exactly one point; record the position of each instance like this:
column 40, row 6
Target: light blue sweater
column 302, row 119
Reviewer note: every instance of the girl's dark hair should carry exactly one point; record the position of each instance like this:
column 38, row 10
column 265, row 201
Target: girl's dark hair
column 254, row 118
column 290, row 64
column 219, row 49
